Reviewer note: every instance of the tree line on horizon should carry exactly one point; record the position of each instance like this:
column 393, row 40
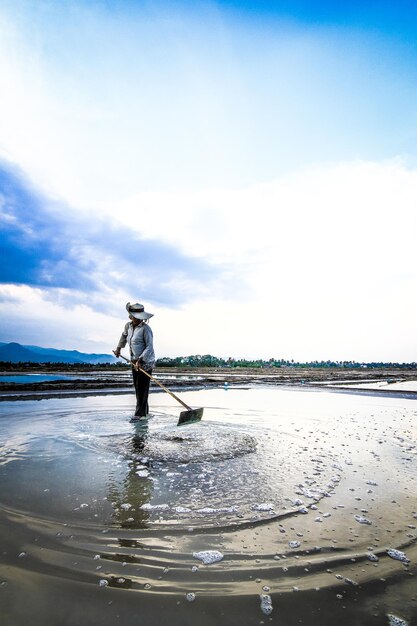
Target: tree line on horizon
column 208, row 360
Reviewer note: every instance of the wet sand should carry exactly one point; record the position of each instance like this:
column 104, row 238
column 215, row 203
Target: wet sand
column 299, row 492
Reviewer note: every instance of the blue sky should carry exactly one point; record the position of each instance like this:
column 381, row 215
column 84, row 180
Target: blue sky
column 248, row 170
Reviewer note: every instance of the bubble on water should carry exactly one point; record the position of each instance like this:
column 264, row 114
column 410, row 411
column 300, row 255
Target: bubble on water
column 398, row 555
column 22, row 555
column 372, row 557
column 142, row 473
column 362, row 520
column 208, row 556
column 396, row 621
column 297, row 502
column 190, row 596
column 303, row 510
column 103, row 582
column 371, row 482
column 294, row 544
column 147, row 586
column 84, row 505
column 97, row 556
column 182, row 509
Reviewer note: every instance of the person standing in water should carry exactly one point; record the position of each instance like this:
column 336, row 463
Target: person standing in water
column 138, row 334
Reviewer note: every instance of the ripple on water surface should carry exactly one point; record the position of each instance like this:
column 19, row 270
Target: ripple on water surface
column 280, row 502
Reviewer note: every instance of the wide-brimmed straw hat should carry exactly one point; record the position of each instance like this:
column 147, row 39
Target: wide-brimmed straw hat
column 138, row 310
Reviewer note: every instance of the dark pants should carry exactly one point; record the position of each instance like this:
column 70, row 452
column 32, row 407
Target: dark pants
column 141, row 382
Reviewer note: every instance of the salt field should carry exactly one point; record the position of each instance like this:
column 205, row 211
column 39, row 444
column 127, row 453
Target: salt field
column 286, row 506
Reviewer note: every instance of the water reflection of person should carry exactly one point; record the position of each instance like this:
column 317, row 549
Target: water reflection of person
column 135, row 489
column 138, row 334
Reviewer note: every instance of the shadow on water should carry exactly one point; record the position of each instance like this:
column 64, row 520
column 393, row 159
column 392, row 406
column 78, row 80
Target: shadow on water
column 130, row 496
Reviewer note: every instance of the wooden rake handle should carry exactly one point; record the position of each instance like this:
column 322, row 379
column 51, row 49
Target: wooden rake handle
column 139, row 369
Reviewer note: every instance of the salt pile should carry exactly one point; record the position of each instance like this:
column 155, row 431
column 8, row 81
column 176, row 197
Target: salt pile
column 201, row 442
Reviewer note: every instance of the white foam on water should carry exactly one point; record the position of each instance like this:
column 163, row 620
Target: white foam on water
column 362, row 520
column 211, row 511
column 154, row 507
column 396, row 621
column 266, row 604
column 264, row 506
column 208, row 556
column 398, row 555
column 182, row 509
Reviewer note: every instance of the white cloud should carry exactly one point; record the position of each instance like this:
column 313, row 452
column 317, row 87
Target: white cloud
column 327, row 256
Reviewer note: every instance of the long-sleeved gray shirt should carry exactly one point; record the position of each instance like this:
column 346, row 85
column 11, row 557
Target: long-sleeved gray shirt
column 140, row 341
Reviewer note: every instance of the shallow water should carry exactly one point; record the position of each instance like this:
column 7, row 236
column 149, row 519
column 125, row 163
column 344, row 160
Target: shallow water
column 35, row 378
column 301, row 492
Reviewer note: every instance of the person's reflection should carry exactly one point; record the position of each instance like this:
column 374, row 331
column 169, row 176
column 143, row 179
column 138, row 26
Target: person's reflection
column 136, row 489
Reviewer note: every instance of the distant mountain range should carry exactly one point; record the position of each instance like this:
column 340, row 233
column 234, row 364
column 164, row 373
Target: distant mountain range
column 16, row 353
